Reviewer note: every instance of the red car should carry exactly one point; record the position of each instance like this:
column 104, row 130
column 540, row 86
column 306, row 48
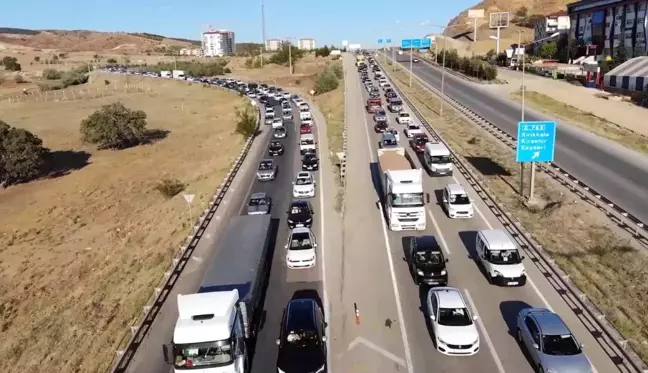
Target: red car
column 418, row 143
column 305, row 128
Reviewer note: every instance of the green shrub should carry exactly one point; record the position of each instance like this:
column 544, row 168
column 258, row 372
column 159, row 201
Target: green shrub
column 246, row 124
column 326, row 81
column 227, row 70
column 50, row 86
column 170, row 187
column 22, row 155
column 11, row 64
column 51, row 74
column 111, row 60
column 74, row 77
column 286, row 53
column 114, row 127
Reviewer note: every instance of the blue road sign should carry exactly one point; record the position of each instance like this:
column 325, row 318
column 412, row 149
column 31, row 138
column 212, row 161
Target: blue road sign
column 416, row 43
column 379, row 41
column 536, row 141
column 406, row 43
column 426, row 43
column 388, row 41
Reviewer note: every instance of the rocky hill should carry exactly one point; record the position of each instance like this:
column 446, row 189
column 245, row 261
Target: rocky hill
column 84, row 40
column 522, row 13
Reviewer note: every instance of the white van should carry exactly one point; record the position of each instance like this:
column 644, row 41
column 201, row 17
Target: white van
column 437, row 159
column 457, row 203
column 304, row 113
column 306, row 143
column 500, row 258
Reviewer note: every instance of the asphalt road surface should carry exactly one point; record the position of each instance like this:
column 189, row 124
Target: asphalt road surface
column 405, row 343
column 282, row 284
column 616, row 172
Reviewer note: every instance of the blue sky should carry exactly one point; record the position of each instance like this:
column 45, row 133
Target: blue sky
column 331, row 21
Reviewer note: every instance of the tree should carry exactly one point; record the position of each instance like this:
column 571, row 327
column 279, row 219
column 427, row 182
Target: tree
column 111, row 60
column 285, row 53
column 522, row 12
column 51, row 74
column 575, row 48
column 620, row 56
column 11, row 64
column 22, row 155
column 549, row 50
column 37, row 58
column 322, row 52
column 246, row 124
column 326, row 81
column 114, row 127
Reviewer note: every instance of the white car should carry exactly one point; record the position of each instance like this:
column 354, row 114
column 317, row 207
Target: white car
column 304, row 185
column 404, row 118
column 277, row 122
column 300, row 250
column 286, row 95
column 456, row 202
column 453, row 325
column 383, row 82
column 252, row 94
column 413, row 129
column 269, row 113
column 308, row 121
column 304, row 114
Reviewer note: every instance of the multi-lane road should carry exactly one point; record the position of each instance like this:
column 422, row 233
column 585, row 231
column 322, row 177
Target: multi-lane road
column 363, row 264
column 614, row 171
column 393, row 331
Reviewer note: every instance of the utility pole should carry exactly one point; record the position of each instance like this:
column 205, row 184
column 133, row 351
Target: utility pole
column 263, row 31
column 443, row 70
column 522, row 113
column 290, row 56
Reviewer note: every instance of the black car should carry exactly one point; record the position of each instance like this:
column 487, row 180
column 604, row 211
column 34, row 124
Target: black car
column 427, row 263
column 302, row 339
column 380, row 127
column 391, row 94
column 275, row 148
column 374, row 94
column 310, row 162
column 300, row 214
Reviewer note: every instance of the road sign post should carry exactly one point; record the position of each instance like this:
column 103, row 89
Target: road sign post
column 189, row 198
column 536, row 142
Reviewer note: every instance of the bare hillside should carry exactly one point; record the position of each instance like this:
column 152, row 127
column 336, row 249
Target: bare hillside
column 520, row 20
column 84, row 40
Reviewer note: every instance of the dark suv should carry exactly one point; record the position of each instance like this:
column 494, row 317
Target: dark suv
column 300, row 214
column 275, row 148
column 427, row 263
column 302, row 339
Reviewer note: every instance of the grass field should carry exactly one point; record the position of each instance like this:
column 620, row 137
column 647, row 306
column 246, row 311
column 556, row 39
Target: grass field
column 578, row 236
column 81, row 253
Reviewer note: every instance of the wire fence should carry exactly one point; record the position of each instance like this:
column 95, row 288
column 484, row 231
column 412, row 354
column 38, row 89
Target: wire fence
column 77, row 94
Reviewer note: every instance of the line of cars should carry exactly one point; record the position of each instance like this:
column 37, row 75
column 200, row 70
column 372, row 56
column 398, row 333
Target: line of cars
column 552, row 347
column 217, row 326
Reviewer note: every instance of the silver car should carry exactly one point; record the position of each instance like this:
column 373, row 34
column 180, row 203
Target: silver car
column 279, row 133
column 551, row 345
column 259, row 204
column 267, row 170
column 380, row 116
column 287, row 115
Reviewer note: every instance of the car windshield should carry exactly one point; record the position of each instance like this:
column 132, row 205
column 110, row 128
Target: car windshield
column 454, row 317
column 258, row 202
column 390, row 142
column 280, row 130
column 503, row 257
column 459, row 199
column 203, row 354
column 420, row 140
column 275, row 144
column 560, row 345
column 302, row 181
column 439, row 159
column 300, row 241
column 404, row 115
column 265, row 166
column 407, row 200
column 429, row 258
column 310, row 158
column 413, row 127
column 307, row 142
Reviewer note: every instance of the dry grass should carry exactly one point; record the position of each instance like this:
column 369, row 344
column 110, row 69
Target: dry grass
column 585, row 120
column 605, row 267
column 81, row 253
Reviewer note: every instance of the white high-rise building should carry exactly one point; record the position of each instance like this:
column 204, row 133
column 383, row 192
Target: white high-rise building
column 218, row 43
column 273, row 44
column 306, row 44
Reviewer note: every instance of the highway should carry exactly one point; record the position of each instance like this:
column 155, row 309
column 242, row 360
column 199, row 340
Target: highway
column 383, row 284
column 616, row 172
column 283, row 283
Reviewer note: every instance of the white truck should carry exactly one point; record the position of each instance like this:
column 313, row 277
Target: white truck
column 402, row 190
column 178, row 74
column 217, row 323
column 165, row 74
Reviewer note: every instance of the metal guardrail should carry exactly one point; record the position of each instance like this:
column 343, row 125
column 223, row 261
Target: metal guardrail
column 610, row 340
column 344, row 137
column 140, row 328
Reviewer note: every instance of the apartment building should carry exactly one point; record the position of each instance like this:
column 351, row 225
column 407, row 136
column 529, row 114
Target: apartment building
column 273, row 44
column 218, row 43
column 306, row 44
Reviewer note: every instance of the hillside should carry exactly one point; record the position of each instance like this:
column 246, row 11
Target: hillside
column 520, row 20
column 84, row 40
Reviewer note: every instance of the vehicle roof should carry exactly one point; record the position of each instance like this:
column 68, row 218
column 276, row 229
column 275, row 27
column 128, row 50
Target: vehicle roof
column 301, row 174
column 449, row 297
column 300, row 230
column 267, row 160
column 426, row 243
column 497, row 239
column 456, row 189
column 242, row 250
column 550, row 323
column 258, row 195
column 307, row 136
column 300, row 203
column 217, row 311
column 301, row 315
column 436, row 147
column 388, row 136
column 275, row 142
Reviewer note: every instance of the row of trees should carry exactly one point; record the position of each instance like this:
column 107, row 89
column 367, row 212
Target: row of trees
column 197, row 69
column 23, row 156
column 475, row 66
column 56, row 79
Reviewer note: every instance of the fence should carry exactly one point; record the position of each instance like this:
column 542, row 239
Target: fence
column 78, row 94
column 610, row 340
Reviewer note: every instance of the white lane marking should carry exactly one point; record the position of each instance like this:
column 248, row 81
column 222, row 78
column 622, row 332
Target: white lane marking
column 491, row 347
column 444, row 245
column 399, row 307
column 322, row 252
column 247, row 193
column 378, row 349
